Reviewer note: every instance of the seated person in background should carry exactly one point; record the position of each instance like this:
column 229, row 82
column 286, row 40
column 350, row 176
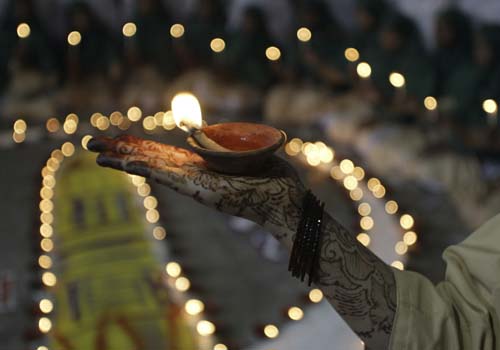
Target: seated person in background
column 152, row 45
column 206, row 24
column 321, row 59
column 230, row 81
column 311, row 71
column 453, row 45
column 369, row 17
column 91, row 64
column 96, row 52
column 246, row 50
column 400, row 50
column 488, row 54
column 471, row 84
column 27, row 65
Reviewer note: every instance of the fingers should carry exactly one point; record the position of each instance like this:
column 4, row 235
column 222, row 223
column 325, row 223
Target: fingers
column 178, row 179
column 131, row 145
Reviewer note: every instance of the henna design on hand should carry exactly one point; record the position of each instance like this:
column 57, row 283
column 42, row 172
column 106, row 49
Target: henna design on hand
column 355, row 281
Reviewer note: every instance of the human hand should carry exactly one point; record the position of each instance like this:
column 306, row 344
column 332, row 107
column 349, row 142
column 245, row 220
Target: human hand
column 271, row 198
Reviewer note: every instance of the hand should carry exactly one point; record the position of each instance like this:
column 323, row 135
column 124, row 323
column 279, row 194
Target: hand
column 271, row 198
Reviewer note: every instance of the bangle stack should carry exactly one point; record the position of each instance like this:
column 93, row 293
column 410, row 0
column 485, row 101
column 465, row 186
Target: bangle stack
column 305, row 252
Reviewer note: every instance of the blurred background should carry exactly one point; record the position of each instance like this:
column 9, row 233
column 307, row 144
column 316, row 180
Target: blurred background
column 391, row 111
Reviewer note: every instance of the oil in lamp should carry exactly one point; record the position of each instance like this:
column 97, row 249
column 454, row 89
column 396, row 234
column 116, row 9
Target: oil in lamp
column 232, row 148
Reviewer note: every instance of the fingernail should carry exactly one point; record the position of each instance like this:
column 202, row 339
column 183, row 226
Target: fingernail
column 95, row 145
column 109, row 162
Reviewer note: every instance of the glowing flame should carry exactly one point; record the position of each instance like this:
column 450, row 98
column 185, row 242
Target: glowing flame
column 187, row 111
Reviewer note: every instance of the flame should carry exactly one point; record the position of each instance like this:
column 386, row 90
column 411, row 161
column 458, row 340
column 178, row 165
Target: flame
column 187, row 111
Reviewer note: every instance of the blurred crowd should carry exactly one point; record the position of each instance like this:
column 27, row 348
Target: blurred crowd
column 42, row 75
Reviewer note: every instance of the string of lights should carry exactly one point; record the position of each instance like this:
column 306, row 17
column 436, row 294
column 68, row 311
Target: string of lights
column 344, row 172
column 46, row 206
column 351, row 178
column 175, row 278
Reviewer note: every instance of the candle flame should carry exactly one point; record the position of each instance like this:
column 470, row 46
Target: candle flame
column 187, row 111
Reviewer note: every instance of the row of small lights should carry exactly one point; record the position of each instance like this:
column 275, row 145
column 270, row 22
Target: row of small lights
column 100, row 122
column 350, row 175
column 173, row 269
column 192, row 307
column 398, row 81
column 315, row 153
column 273, row 53
column 46, row 206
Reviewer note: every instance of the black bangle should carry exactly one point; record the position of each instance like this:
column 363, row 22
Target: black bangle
column 304, row 258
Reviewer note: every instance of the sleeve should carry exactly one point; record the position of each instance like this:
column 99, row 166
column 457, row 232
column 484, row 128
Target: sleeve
column 462, row 311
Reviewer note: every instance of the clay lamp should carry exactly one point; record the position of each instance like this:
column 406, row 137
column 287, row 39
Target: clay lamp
column 232, row 148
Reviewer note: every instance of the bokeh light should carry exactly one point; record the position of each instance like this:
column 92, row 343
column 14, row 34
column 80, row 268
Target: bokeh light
column 406, row 221
column 347, row 166
column 364, row 209
column 85, row 141
column 52, row 125
column 23, row 30
column 173, row 269
column 205, row 328
column 295, row 313
column 401, row 248
column 134, row 114
column 68, row 149
column 364, row 70
column 410, row 238
column 20, row 126
column 44, row 324
column 315, row 295
column 430, row 103
column 351, row 54
column 45, row 261
column 364, row 239
column 366, row 223
column 194, row 307
column 356, row 194
column 271, row 331
column 304, row 34
column 159, row 233
column 490, row 106
column 220, row 346
column 129, row 29
column 273, row 53
column 177, row 30
column 74, row 38
column 391, row 207
column 49, row 279
column 217, row 45
column 46, row 306
column 398, row 265
column 397, row 79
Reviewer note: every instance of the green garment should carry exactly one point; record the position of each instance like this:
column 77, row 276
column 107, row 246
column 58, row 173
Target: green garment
column 329, row 47
column 465, row 91
column 411, row 62
column 462, row 312
column 247, row 57
column 448, row 56
column 199, row 34
column 152, row 42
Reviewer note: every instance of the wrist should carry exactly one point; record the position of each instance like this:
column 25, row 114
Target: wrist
column 287, row 216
